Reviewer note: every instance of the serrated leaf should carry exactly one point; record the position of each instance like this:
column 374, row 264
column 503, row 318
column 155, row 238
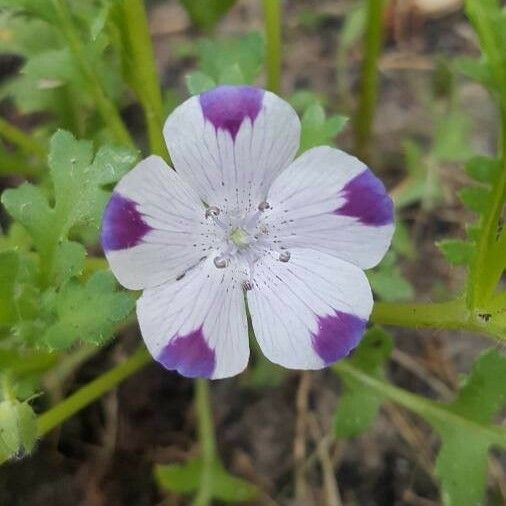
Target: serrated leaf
column 69, row 261
column 185, row 479
column 475, row 198
column 206, row 13
column 359, row 405
column 317, row 129
column 462, row 461
column 18, row 428
column 483, row 169
column 197, row 82
column 88, row 312
column 457, row 252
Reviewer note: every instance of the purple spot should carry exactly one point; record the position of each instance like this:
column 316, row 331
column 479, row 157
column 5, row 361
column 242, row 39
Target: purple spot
column 122, row 224
column 367, row 200
column 189, row 355
column 226, row 107
column 337, row 335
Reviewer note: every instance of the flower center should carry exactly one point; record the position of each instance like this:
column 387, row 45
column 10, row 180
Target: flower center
column 244, row 238
column 240, row 237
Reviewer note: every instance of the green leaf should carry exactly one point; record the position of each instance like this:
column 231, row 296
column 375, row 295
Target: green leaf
column 197, row 82
column 483, row 169
column 206, row 13
column 185, row 479
column 9, row 263
column 456, row 252
column 359, row 404
column 316, row 129
column 69, row 261
column 475, row 197
column 18, row 428
column 451, row 140
column 462, row 461
column 87, row 312
column 388, row 282
column 232, row 58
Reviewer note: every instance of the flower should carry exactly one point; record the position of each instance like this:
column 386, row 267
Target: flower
column 241, row 220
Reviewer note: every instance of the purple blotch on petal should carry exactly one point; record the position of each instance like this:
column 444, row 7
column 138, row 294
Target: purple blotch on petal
column 189, row 355
column 122, row 225
column 337, row 335
column 367, row 200
column 226, row 107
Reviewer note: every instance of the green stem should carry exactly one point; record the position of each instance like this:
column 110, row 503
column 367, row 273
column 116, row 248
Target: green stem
column 445, row 315
column 91, row 392
column 105, row 106
column 207, row 441
column 272, row 16
column 430, row 410
column 373, row 42
column 144, row 73
column 23, row 141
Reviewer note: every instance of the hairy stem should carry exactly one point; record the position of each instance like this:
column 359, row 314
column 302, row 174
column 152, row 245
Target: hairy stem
column 272, row 17
column 143, row 72
column 373, row 42
column 105, row 106
column 207, row 441
column 444, row 315
column 425, row 408
column 91, row 392
column 26, row 143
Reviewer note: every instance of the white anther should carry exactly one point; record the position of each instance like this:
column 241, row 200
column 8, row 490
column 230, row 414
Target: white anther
column 220, row 262
column 284, row 256
column 212, row 211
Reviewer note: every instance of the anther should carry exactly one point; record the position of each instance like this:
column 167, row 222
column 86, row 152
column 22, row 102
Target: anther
column 263, row 206
column 247, row 285
column 212, row 211
column 284, row 256
column 220, row 262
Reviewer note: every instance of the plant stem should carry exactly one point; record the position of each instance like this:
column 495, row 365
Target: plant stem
column 105, row 106
column 23, row 141
column 207, row 441
column 373, row 42
column 444, row 315
column 91, row 392
column 431, row 410
column 272, row 16
column 143, row 72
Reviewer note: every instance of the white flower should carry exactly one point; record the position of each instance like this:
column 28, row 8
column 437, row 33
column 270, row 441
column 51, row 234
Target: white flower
column 240, row 217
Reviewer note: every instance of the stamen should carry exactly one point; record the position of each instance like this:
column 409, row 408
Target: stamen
column 263, row 206
column 284, row 256
column 220, row 262
column 212, row 211
column 247, row 285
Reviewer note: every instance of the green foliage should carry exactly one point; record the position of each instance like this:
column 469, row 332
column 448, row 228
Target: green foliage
column 90, row 312
column 317, row 129
column 456, row 252
column 185, row 479
column 206, row 13
column 462, row 461
column 235, row 60
column 359, row 405
column 388, row 282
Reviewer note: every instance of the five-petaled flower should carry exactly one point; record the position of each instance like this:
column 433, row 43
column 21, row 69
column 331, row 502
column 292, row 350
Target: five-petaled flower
column 241, row 221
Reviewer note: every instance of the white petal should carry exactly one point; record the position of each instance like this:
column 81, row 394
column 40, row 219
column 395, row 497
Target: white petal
column 330, row 201
column 197, row 325
column 309, row 311
column 231, row 142
column 154, row 226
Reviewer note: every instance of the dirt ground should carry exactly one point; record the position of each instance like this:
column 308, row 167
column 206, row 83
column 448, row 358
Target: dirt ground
column 104, row 455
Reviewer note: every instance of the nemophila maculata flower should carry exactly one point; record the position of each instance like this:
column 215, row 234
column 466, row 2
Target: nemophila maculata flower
column 241, row 222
